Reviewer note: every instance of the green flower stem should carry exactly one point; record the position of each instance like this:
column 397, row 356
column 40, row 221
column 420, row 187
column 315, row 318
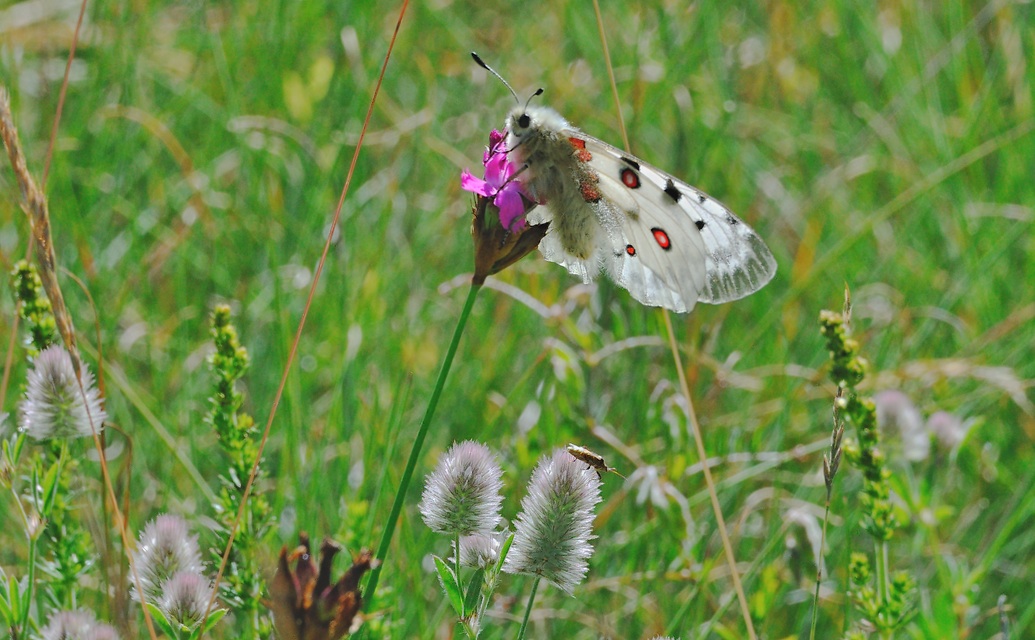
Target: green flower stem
column 456, row 568
column 884, row 583
column 819, row 575
column 528, row 609
column 30, row 585
column 418, row 444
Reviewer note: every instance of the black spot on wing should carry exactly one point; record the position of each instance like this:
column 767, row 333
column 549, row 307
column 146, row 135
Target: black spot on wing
column 701, row 198
column 632, row 163
column 700, row 224
column 730, row 220
column 671, row 191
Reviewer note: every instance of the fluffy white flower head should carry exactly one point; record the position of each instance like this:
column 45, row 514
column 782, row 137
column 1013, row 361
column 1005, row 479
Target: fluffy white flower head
column 553, row 530
column 77, row 625
column 462, row 495
column 896, row 412
column 481, row 550
column 54, row 406
column 185, row 597
column 164, row 549
column 948, row 429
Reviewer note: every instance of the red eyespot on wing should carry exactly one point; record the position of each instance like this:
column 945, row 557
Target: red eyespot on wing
column 580, row 149
column 630, row 179
column 631, row 250
column 661, row 238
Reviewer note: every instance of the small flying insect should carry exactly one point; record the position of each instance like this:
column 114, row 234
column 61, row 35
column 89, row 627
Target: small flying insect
column 594, row 460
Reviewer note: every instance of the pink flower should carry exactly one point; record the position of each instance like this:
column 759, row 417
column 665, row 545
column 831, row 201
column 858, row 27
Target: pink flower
column 507, row 194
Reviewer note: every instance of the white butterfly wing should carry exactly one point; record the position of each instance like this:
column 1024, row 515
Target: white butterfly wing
column 616, row 235
column 681, row 245
column 660, row 258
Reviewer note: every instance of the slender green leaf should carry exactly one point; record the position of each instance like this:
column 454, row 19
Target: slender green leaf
column 50, row 487
column 474, row 591
column 213, row 618
column 167, row 626
column 8, row 599
column 504, row 550
column 450, row 585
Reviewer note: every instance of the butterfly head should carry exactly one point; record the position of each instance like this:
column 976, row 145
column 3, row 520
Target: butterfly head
column 525, row 121
column 519, row 122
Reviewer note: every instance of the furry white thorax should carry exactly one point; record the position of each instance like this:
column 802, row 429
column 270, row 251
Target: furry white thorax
column 552, row 174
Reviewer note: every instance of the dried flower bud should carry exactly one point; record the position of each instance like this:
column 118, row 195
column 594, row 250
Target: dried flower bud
column 305, row 604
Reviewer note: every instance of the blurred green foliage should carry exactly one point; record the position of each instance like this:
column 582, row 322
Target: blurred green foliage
column 200, row 157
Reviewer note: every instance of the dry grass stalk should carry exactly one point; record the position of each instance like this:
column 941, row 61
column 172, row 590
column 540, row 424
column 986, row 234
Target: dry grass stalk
column 34, row 203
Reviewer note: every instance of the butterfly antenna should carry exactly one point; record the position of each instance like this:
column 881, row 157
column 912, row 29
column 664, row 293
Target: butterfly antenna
column 481, row 63
column 538, row 92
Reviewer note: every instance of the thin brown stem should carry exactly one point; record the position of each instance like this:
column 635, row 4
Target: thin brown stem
column 702, row 453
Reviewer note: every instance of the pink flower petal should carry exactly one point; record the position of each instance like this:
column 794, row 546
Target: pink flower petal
column 498, row 170
column 468, row 182
column 512, row 209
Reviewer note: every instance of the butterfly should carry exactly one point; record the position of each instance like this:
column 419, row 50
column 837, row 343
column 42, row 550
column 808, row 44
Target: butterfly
column 668, row 243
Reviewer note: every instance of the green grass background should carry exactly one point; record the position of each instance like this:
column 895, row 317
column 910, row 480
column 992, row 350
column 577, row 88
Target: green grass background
column 202, row 152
